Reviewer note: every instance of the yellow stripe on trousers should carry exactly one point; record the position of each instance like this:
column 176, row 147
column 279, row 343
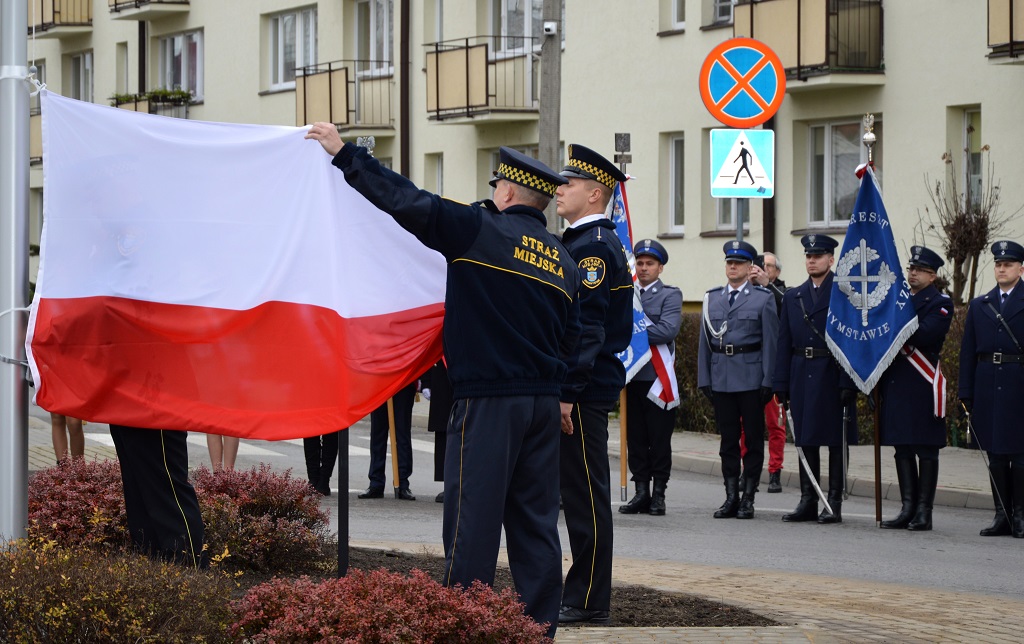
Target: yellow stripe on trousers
column 593, row 511
column 188, row 531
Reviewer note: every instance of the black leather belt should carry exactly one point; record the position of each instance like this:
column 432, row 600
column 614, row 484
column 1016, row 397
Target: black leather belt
column 732, row 349
column 1000, row 358
column 811, row 352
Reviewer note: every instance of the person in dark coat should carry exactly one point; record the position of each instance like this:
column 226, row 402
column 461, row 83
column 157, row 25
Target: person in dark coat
column 321, row 452
column 992, row 382
column 810, row 382
column 437, row 390
column 912, row 415
column 766, row 273
column 380, row 430
column 595, row 378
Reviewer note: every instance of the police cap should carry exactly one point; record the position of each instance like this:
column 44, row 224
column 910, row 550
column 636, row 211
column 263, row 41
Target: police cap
column 518, row 168
column 584, row 163
column 739, row 251
column 1008, row 251
column 652, row 248
column 925, row 258
column 818, row 244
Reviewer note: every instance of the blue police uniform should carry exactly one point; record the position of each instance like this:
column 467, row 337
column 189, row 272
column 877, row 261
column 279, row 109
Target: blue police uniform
column 809, row 379
column 907, row 415
column 593, row 383
column 991, row 382
column 735, row 359
column 511, row 321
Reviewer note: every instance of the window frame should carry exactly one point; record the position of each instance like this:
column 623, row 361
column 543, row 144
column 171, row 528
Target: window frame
column 678, row 16
column 81, row 68
column 830, row 219
column 716, row 12
column 367, row 40
column 302, row 17
column 677, row 181
column 166, row 62
column 735, row 203
column 971, row 170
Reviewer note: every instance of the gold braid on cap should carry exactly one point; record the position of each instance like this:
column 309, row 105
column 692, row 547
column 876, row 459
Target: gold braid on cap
column 528, row 179
column 599, row 174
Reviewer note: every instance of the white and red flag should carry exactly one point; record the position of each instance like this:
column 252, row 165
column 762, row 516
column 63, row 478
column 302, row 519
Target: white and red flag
column 218, row 278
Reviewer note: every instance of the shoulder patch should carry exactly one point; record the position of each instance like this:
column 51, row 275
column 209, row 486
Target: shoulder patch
column 592, row 271
column 717, row 288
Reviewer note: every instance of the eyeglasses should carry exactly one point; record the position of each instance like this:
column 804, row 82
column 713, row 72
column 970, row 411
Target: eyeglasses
column 920, row 269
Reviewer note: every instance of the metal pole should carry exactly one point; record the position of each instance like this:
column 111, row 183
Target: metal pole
column 343, row 559
column 549, row 144
column 14, row 133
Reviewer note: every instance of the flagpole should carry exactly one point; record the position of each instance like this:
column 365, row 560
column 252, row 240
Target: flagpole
column 343, row 502
column 394, row 444
column 869, row 140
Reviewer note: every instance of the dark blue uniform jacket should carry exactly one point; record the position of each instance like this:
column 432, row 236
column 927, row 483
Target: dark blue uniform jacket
column 511, row 310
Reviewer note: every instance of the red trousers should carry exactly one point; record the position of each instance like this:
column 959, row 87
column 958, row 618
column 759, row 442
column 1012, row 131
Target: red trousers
column 776, row 436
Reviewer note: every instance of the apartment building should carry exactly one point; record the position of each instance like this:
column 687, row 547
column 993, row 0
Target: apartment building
column 441, row 84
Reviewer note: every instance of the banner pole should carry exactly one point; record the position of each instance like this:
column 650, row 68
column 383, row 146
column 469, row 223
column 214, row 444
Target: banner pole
column 394, row 444
column 878, row 464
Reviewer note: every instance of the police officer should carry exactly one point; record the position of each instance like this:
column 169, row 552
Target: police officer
column 991, row 382
column 649, row 423
column 912, row 415
column 811, row 382
column 380, row 429
column 511, row 321
column 595, row 379
column 735, row 359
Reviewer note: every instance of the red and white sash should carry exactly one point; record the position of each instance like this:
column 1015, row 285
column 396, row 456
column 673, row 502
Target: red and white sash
column 665, row 390
column 932, row 374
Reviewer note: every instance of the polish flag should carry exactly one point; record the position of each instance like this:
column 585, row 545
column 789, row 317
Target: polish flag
column 219, row 278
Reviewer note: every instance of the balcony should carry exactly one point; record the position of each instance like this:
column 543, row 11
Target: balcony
column 59, row 18
column 35, row 137
column 484, row 78
column 352, row 94
column 1006, row 30
column 146, row 9
column 173, row 103
column 827, row 44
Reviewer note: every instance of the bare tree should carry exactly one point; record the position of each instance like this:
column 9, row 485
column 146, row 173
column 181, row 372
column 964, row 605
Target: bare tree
column 965, row 220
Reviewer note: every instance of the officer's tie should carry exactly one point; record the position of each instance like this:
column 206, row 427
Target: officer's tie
column 1002, row 302
column 732, row 297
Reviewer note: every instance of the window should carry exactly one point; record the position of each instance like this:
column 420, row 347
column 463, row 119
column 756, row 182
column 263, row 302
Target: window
column 678, row 174
column 374, row 37
column 517, row 30
column 181, row 63
column 292, row 45
column 726, row 213
column 678, row 14
column 722, row 11
column 836, row 151
column 122, row 68
column 972, row 154
column 80, row 86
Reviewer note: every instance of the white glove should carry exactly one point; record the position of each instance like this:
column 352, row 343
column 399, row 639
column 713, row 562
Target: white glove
column 426, row 393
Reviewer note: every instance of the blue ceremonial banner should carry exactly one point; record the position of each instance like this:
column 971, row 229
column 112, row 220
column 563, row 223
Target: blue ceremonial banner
column 870, row 314
column 639, row 351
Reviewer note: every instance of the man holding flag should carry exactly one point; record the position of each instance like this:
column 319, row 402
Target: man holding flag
column 595, row 379
column 653, row 395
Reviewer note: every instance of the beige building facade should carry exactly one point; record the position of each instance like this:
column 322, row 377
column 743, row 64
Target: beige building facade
column 442, row 89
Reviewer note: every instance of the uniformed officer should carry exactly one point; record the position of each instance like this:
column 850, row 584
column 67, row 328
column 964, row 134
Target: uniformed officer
column 811, row 382
column 511, row 321
column 912, row 415
column 649, row 423
column 991, row 382
column 734, row 370
column 595, row 379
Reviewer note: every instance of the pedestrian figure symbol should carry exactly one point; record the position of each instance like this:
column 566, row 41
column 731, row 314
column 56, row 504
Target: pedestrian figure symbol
column 743, row 158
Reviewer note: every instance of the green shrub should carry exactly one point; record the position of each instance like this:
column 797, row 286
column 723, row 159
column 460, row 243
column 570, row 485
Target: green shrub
column 695, row 412
column 381, row 607
column 55, row 594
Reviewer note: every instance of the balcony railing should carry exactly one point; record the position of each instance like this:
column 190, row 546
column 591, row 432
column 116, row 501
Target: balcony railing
column 481, row 75
column 816, row 37
column 59, row 17
column 146, row 9
column 163, row 102
column 35, row 137
column 1005, row 28
column 349, row 93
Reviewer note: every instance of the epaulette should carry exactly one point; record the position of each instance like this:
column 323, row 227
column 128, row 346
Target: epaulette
column 485, row 203
column 758, row 287
column 717, row 288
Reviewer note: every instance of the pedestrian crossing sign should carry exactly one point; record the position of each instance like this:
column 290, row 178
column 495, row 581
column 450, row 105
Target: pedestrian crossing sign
column 742, row 164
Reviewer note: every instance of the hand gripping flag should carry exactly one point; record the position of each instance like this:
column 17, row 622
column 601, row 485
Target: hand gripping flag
column 217, row 277
column 870, row 313
column 638, row 352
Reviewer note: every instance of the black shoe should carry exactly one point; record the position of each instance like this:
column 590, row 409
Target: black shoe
column 439, row 498
column 641, row 501
column 570, row 615
column 774, row 483
column 732, row 499
column 404, row 494
column 324, row 489
column 372, row 493
column 746, row 509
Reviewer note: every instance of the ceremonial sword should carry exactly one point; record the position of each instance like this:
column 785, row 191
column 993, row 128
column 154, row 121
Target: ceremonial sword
column 988, row 468
column 803, row 461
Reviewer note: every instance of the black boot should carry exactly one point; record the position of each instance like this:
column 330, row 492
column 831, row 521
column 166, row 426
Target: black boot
column 906, row 474
column 1017, row 525
column 807, row 508
column 929, row 480
column 1002, row 493
column 658, row 498
column 746, row 509
column 774, row 482
column 835, row 487
column 641, row 501
column 732, row 499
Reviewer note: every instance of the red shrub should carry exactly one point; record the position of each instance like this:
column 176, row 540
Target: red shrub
column 78, row 503
column 379, row 607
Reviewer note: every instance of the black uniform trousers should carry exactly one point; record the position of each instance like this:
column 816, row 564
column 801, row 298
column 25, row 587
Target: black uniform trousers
column 379, row 431
column 160, row 504
column 730, row 408
column 501, row 461
column 648, row 434
column 587, row 504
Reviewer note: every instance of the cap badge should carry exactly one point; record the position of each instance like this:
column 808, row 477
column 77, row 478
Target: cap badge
column 735, row 245
column 810, row 239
